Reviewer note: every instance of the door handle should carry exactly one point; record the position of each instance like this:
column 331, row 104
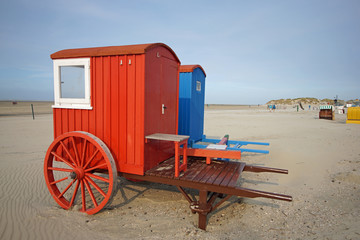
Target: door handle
column 163, row 107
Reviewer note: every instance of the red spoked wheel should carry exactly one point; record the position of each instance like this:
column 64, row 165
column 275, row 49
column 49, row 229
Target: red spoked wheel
column 80, row 171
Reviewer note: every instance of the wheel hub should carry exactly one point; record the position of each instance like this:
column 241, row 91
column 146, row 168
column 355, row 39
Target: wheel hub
column 77, row 173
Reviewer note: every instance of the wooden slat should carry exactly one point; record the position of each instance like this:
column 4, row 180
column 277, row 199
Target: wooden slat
column 131, row 90
column 139, row 108
column 214, row 169
column 228, row 177
column 193, row 168
column 203, row 173
column 222, row 175
column 213, row 177
column 158, row 170
column 197, row 169
column 99, row 98
column 114, row 106
column 167, row 137
column 170, row 170
column 236, row 175
column 123, row 110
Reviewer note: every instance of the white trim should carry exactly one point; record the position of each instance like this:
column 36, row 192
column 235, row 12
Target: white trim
column 77, row 103
column 73, row 106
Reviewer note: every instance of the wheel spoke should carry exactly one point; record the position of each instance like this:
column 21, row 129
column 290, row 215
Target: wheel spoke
column 60, row 180
column 68, row 153
column 92, row 157
column 67, row 188
column 76, row 151
column 62, row 159
column 97, row 177
column 83, row 196
column 95, row 186
column 99, row 166
column 75, row 192
column 90, row 192
column 84, row 152
column 60, row 169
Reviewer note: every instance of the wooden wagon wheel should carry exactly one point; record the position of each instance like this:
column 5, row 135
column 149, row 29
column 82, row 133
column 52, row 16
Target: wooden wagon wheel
column 80, row 171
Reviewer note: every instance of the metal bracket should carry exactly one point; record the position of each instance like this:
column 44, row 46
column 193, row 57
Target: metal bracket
column 195, row 208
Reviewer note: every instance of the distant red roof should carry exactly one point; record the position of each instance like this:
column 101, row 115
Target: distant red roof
column 109, row 51
column 190, row 68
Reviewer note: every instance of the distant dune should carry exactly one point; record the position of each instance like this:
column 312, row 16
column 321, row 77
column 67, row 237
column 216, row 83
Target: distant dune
column 309, row 100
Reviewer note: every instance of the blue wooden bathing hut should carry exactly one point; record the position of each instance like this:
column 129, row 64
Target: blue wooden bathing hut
column 191, row 111
column 191, row 101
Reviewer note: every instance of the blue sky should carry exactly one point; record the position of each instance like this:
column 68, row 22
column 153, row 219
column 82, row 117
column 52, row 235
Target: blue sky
column 252, row 51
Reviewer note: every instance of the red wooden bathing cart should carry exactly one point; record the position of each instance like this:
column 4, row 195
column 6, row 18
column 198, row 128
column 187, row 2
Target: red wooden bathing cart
column 116, row 114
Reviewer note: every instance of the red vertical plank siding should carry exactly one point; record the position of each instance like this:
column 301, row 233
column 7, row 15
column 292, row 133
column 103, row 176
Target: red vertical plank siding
column 107, row 97
column 78, row 120
column 123, row 111
column 65, row 120
column 99, row 98
column 131, row 110
column 85, row 120
column 114, row 106
column 71, row 115
column 57, row 122
column 139, row 109
column 55, row 128
column 91, row 114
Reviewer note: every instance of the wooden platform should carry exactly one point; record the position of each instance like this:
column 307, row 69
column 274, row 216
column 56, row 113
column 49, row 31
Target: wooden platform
column 220, row 173
column 212, row 180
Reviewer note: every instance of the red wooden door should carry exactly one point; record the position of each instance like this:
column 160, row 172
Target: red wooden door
column 168, row 99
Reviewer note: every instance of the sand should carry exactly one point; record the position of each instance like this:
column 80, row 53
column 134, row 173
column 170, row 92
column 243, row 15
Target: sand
column 14, row 108
column 322, row 156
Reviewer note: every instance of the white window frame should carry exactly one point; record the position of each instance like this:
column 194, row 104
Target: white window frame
column 198, row 86
column 73, row 103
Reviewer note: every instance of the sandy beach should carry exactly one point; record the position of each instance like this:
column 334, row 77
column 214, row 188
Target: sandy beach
column 322, row 156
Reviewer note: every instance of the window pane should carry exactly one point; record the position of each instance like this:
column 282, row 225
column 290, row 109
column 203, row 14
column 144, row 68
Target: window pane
column 72, row 81
column 198, row 86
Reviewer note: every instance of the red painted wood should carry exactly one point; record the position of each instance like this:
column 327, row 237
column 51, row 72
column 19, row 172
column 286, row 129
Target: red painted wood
column 78, row 120
column 205, row 152
column 71, row 119
column 65, row 124
column 123, row 112
column 139, row 109
column 98, row 98
column 126, row 105
column 114, row 106
column 131, row 110
column 107, row 99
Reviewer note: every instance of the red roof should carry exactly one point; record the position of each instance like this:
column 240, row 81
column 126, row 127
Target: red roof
column 109, row 51
column 190, row 68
